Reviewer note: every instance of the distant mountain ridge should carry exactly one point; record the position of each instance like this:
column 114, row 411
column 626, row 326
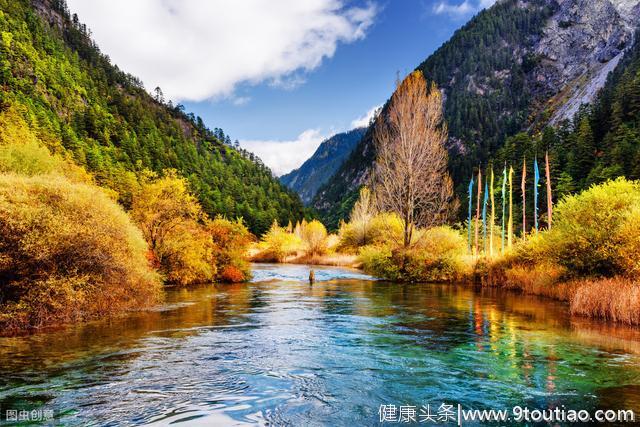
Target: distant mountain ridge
column 516, row 66
column 322, row 164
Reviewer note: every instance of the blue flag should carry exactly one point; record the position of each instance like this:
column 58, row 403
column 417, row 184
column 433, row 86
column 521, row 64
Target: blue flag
column 484, row 214
column 536, row 181
column 470, row 209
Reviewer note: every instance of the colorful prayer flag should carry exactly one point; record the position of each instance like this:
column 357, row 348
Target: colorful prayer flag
column 504, row 203
column 470, row 207
column 484, row 215
column 536, row 182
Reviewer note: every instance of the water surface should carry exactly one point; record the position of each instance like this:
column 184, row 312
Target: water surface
column 279, row 351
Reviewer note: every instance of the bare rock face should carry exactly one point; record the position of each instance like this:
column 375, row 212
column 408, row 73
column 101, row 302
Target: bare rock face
column 581, row 43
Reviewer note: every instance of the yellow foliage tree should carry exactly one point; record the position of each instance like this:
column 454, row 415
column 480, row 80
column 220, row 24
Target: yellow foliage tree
column 231, row 239
column 168, row 215
column 314, row 237
column 277, row 244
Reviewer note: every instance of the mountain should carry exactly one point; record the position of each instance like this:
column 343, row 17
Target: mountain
column 54, row 76
column 518, row 66
column 323, row 164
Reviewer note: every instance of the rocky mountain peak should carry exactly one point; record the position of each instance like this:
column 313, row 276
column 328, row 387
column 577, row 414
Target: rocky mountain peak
column 581, row 43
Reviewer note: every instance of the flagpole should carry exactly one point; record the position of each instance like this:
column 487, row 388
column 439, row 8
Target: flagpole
column 478, row 209
column 484, row 215
column 510, row 231
column 470, row 209
column 524, row 198
column 493, row 214
column 549, row 196
column 536, row 182
column 504, row 204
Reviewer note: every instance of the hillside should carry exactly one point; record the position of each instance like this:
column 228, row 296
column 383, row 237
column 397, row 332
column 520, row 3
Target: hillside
column 517, row 66
column 323, row 164
column 55, row 77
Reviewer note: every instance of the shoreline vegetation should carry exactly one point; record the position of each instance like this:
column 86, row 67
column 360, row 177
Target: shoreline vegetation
column 69, row 252
column 587, row 260
column 586, row 254
column 107, row 194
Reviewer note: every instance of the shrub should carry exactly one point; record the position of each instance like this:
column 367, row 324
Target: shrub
column 376, row 260
column 67, row 252
column 596, row 232
column 314, row 238
column 277, row 244
column 231, row 240
column 382, row 229
column 442, row 241
column 232, row 274
column 438, row 257
column 187, row 255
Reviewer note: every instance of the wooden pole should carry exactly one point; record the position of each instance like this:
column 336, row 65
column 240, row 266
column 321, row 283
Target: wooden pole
column 549, row 198
column 504, row 206
column 524, row 197
column 478, row 210
column 469, row 249
column 510, row 226
column 493, row 214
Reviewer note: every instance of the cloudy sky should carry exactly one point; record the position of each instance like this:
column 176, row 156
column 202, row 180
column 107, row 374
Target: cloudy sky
column 278, row 75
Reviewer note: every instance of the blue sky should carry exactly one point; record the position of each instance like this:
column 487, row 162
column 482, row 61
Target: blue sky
column 281, row 75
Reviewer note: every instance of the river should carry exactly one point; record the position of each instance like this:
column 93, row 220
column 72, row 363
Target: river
column 279, row 351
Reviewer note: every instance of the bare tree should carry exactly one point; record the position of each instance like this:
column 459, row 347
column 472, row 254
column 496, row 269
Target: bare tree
column 410, row 174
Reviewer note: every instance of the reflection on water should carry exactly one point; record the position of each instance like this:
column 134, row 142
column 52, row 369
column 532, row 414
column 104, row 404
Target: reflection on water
column 284, row 352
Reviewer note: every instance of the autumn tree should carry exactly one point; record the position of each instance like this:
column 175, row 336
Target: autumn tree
column 314, row 237
column 410, row 174
column 231, row 240
column 361, row 215
column 169, row 217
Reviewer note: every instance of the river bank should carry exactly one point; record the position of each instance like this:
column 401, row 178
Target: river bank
column 331, row 260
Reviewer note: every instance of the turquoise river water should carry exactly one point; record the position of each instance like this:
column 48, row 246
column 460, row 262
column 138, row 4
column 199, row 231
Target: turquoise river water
column 278, row 351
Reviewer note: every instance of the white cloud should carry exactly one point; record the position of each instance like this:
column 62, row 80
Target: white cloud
column 284, row 156
column 365, row 119
column 459, row 10
column 195, row 50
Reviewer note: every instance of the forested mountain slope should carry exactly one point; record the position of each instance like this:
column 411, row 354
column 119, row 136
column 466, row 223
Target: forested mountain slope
column 55, row 77
column 323, row 164
column 517, row 66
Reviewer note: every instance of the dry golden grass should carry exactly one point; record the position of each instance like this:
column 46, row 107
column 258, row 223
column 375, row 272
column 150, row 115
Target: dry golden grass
column 544, row 280
column 335, row 259
column 616, row 299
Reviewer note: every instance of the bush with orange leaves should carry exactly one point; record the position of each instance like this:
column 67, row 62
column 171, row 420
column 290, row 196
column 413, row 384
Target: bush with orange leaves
column 231, row 240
